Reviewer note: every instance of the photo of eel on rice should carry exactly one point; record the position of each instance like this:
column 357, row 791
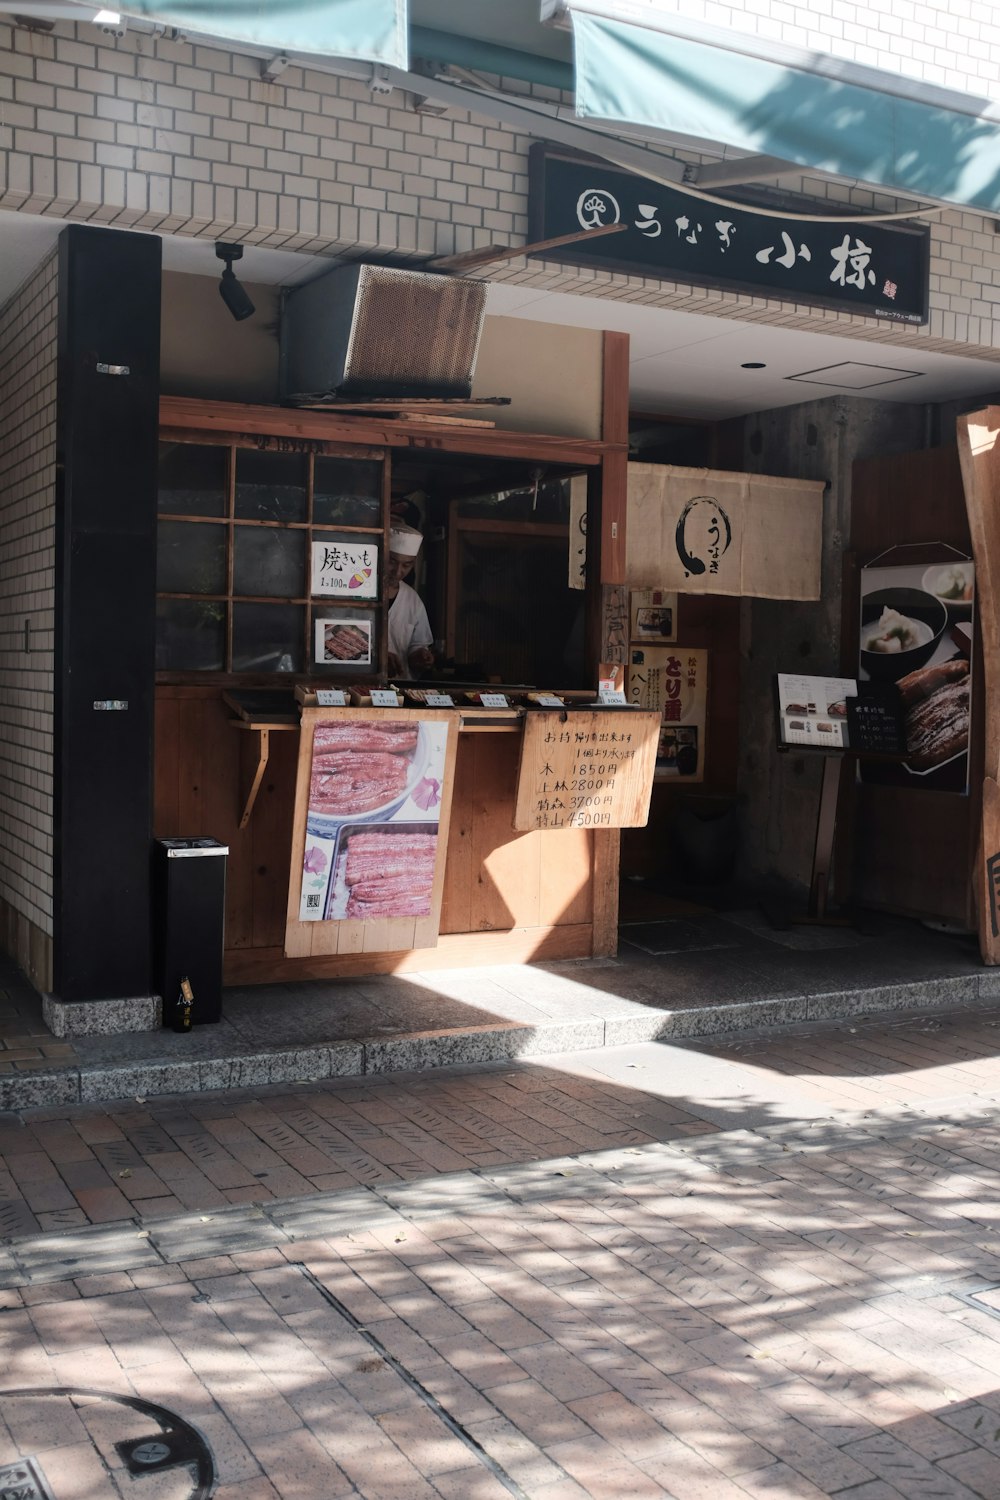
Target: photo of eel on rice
column 936, row 702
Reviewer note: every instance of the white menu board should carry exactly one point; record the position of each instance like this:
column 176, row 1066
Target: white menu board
column 813, row 710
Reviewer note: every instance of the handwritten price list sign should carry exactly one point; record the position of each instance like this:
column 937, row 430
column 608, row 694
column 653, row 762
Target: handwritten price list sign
column 586, row 770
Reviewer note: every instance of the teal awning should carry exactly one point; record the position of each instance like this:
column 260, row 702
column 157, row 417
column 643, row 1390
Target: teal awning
column 646, row 77
column 373, row 30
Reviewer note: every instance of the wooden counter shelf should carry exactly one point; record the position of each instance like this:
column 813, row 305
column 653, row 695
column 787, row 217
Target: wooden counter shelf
column 254, row 753
column 508, row 897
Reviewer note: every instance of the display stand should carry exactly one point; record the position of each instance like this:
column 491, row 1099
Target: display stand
column 867, row 720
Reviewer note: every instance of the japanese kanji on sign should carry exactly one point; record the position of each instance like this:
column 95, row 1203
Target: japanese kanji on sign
column 586, row 770
column 674, row 681
column 345, row 569
column 875, row 269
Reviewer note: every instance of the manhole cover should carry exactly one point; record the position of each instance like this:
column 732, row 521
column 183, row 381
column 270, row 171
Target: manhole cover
column 122, row 1437
column 164, row 1450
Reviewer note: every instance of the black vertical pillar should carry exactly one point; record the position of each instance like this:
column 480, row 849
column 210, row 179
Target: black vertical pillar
column 108, row 397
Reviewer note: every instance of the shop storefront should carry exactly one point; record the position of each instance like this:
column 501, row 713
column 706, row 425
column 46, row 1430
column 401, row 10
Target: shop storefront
column 271, row 734
column 194, row 559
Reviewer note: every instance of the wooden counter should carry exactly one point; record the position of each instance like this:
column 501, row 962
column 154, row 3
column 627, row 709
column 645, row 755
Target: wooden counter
column 508, row 897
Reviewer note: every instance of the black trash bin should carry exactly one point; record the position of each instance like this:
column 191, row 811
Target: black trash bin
column 189, row 886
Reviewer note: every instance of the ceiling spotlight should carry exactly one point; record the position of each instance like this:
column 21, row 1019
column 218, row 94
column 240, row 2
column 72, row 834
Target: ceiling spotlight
column 753, row 364
column 232, row 293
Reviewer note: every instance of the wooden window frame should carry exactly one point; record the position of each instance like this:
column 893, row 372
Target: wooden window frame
column 335, row 434
column 232, row 446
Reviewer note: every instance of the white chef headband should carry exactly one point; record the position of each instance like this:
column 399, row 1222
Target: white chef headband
column 404, row 540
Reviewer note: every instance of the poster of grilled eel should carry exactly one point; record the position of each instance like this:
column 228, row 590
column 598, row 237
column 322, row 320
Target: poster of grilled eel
column 916, row 632
column 372, row 823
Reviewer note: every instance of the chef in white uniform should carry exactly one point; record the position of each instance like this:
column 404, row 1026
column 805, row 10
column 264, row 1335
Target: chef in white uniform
column 410, row 635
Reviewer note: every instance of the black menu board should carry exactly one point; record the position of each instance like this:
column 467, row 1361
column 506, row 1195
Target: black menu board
column 876, row 723
column 839, row 713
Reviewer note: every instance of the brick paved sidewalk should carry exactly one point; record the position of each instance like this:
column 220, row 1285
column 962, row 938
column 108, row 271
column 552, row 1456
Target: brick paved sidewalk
column 771, row 1271
column 79, row 1164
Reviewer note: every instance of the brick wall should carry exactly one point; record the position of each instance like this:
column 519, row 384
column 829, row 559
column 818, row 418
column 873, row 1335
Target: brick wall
column 27, row 597
column 952, row 43
column 188, row 140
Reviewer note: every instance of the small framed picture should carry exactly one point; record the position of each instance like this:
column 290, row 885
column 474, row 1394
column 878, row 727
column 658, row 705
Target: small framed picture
column 343, row 641
column 654, row 616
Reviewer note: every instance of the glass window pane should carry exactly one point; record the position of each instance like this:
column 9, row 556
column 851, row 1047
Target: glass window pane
column 269, row 562
column 192, row 479
column 190, row 558
column 270, row 486
column 348, row 565
column 347, row 492
column 344, row 640
column 268, row 637
column 190, row 635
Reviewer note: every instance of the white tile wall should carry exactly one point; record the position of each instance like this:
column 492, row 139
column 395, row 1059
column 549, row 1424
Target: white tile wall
column 952, row 43
column 184, row 139
column 27, row 593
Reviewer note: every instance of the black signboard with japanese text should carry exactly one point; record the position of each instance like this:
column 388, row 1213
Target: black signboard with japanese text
column 873, row 269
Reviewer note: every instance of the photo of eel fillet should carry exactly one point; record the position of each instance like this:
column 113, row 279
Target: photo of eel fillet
column 936, row 700
column 390, row 874
column 345, row 643
column 360, row 766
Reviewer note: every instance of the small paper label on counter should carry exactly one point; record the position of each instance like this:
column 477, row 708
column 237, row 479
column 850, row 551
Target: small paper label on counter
column 548, row 700
column 439, row 700
column 331, row 698
column 611, row 696
column 493, row 700
column 384, row 698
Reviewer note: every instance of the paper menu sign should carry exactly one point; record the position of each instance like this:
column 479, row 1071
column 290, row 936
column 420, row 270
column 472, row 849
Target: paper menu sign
column 347, row 569
column 813, row 710
column 674, row 681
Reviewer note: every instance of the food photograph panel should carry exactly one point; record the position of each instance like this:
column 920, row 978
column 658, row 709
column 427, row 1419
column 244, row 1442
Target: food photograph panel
column 344, row 640
column 371, row 844
column 917, row 633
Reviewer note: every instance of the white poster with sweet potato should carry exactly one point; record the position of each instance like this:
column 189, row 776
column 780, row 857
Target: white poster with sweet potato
column 916, row 633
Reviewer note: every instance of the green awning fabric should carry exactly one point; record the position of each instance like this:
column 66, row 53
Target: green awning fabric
column 372, row 30
column 644, row 77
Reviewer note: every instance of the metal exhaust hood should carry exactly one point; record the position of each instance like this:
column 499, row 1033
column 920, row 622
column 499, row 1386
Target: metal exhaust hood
column 369, row 332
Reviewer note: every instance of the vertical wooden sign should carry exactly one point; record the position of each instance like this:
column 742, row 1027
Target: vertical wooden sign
column 979, row 452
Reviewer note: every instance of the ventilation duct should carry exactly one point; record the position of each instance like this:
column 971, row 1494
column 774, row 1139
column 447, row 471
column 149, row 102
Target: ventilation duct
column 365, row 331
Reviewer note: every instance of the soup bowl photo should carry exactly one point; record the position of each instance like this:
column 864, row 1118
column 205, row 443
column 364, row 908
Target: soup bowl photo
column 901, row 628
column 953, row 583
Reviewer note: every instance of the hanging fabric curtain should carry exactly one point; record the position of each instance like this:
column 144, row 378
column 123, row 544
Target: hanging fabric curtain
column 372, row 30
column 646, row 77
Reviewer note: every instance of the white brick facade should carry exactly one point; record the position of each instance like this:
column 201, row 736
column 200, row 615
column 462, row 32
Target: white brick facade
column 27, row 605
column 952, row 43
column 181, row 139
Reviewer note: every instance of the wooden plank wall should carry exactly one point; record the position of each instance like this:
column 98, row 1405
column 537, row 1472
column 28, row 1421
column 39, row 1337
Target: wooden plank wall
column 912, row 849
column 508, row 896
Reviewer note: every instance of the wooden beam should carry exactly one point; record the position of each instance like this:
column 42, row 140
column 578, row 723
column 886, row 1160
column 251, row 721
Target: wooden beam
column 468, row 260
column 605, row 873
column 614, row 471
column 979, row 453
column 232, row 421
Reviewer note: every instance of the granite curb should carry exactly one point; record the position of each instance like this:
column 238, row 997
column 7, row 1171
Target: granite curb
column 478, row 1044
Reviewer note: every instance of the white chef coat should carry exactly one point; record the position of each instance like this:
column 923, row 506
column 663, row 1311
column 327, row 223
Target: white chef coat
column 409, row 627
